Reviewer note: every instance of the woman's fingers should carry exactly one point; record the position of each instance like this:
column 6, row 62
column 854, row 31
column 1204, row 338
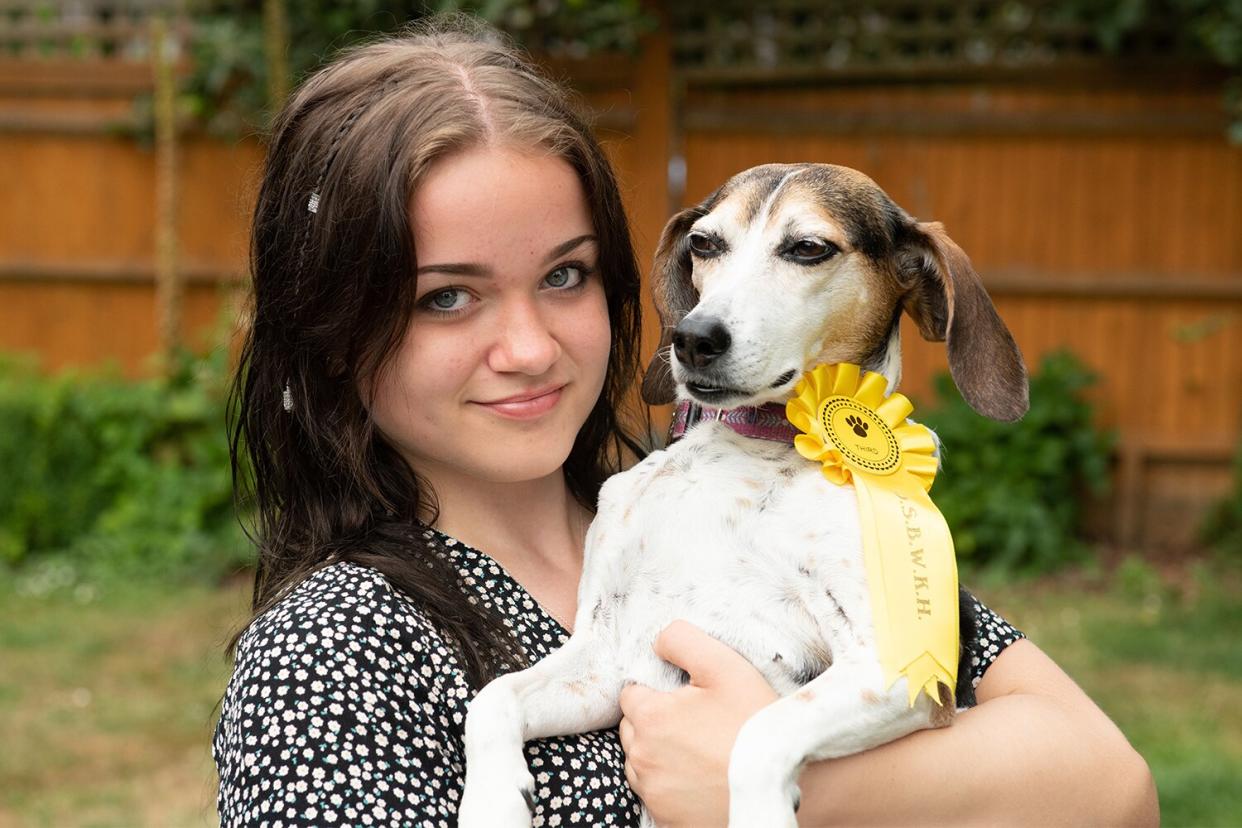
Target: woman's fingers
column 636, row 699
column 627, row 734
column 708, row 660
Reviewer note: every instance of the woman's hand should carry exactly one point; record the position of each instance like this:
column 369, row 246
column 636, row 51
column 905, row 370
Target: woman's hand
column 677, row 744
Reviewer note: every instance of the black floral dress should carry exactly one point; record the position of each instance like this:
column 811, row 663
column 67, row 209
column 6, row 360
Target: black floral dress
column 347, row 707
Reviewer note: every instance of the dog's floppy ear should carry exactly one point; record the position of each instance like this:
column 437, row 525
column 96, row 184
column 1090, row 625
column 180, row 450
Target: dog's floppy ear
column 946, row 298
column 674, row 296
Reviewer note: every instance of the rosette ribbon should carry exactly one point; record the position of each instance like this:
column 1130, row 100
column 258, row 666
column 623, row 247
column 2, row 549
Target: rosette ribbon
column 861, row 436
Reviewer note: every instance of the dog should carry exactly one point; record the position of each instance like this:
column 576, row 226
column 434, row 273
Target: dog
column 783, row 268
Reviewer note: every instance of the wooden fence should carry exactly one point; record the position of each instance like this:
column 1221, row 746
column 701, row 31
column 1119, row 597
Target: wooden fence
column 1102, row 207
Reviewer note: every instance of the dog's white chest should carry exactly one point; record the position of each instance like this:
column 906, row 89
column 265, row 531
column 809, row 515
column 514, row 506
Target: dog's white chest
column 744, row 538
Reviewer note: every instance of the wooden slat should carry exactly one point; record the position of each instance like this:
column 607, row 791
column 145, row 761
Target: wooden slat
column 100, row 272
column 1111, row 286
column 73, row 78
column 70, row 123
column 920, row 122
column 1063, row 72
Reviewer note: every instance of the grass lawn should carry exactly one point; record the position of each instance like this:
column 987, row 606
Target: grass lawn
column 107, row 696
column 1161, row 653
column 107, row 700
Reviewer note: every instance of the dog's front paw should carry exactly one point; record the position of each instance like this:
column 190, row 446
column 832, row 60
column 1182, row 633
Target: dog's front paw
column 763, row 788
column 497, row 800
column 750, row 805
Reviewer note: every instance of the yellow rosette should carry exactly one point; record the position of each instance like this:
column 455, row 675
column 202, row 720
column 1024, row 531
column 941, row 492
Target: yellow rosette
column 862, row 437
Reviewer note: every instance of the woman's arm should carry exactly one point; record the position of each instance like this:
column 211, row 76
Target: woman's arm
column 1036, row 750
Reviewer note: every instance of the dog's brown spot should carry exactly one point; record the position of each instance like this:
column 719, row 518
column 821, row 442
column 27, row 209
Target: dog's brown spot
column 943, row 713
column 744, row 503
column 821, row 654
column 805, row 695
column 869, row 697
column 665, row 470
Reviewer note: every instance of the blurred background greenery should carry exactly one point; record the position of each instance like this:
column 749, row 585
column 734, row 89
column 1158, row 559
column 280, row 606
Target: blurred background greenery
column 1107, row 524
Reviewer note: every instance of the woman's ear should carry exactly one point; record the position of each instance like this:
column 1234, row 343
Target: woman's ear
column 674, row 295
column 948, row 302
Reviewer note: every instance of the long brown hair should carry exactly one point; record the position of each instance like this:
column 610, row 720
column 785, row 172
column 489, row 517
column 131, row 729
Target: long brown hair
column 333, row 266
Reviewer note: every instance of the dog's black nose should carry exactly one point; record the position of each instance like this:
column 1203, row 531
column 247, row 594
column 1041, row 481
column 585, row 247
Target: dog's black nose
column 698, row 342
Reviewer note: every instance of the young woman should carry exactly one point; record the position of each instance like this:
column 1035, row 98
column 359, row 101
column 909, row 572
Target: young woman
column 444, row 330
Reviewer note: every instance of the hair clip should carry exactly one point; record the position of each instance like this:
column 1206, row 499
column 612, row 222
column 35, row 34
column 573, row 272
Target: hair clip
column 286, row 398
column 313, row 203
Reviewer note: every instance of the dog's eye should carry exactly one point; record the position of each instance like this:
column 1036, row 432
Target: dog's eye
column 812, row 250
column 703, row 245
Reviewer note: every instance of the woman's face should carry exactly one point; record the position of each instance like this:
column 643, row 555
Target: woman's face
column 506, row 352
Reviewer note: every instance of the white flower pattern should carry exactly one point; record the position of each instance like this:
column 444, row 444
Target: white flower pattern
column 347, row 706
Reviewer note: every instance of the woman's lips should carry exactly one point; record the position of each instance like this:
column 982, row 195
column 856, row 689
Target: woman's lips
column 525, row 406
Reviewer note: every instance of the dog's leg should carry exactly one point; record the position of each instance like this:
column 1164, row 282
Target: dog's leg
column 843, row 711
column 573, row 690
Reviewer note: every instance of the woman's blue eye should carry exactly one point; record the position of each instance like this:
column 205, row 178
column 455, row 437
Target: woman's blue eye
column 564, row 277
column 447, row 299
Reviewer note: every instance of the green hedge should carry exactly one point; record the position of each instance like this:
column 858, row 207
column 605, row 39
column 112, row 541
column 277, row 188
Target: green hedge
column 122, row 477
column 1013, row 493
column 118, row 476
column 1222, row 529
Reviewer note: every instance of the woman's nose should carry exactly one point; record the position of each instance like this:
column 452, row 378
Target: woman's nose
column 524, row 341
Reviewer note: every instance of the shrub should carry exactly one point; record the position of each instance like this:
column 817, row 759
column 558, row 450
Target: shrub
column 1223, row 527
column 119, row 476
column 1013, row 493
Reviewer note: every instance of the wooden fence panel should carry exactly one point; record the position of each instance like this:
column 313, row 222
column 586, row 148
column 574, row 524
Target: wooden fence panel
column 73, row 324
column 1104, row 217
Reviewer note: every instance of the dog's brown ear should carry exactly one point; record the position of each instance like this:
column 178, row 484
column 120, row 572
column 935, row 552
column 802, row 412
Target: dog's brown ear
column 674, row 296
column 947, row 300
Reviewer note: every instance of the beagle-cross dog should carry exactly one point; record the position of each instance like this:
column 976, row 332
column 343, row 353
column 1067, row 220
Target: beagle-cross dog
column 781, row 269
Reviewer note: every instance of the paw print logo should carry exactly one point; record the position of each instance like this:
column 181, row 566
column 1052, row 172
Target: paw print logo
column 859, row 425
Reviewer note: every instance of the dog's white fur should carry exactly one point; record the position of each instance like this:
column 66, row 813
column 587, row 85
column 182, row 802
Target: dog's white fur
column 741, row 537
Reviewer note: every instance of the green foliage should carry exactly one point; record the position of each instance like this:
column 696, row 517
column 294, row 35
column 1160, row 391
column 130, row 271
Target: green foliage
column 1223, row 527
column 116, row 476
column 1206, row 29
column 227, row 86
column 1013, row 493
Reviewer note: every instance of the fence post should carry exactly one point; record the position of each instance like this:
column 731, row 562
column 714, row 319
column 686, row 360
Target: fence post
column 276, row 49
column 168, row 287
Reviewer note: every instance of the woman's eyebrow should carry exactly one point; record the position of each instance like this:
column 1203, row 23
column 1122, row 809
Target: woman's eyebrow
column 470, row 269
column 456, row 269
column 565, row 247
